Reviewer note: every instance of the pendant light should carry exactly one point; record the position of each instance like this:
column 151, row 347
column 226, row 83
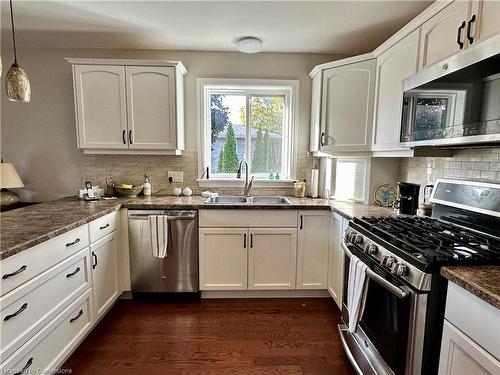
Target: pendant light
column 17, row 83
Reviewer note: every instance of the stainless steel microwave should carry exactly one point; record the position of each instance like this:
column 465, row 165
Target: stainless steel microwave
column 454, row 102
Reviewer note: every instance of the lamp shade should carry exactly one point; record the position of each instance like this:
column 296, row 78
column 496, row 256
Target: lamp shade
column 9, row 177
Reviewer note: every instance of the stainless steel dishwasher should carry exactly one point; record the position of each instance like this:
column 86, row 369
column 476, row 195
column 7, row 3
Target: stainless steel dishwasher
column 178, row 270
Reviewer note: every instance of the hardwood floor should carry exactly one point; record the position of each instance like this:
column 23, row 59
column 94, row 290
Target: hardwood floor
column 224, row 336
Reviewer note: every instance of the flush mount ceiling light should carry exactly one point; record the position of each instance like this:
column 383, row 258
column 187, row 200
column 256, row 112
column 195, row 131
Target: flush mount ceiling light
column 17, row 83
column 249, row 44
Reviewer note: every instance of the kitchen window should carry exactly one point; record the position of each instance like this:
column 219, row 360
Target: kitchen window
column 349, row 178
column 252, row 120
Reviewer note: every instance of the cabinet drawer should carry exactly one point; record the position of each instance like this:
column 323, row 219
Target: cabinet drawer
column 24, row 266
column 102, row 226
column 476, row 318
column 28, row 309
column 51, row 346
column 248, row 218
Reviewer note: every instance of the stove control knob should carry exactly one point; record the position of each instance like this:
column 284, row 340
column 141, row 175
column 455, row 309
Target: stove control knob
column 394, row 267
column 387, row 261
column 357, row 239
column 402, row 269
column 348, row 234
column 371, row 248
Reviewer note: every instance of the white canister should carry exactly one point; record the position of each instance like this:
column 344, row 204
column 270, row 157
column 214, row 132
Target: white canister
column 187, row 191
column 177, row 191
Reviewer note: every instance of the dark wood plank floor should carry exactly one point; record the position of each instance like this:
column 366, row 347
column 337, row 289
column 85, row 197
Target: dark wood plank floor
column 241, row 336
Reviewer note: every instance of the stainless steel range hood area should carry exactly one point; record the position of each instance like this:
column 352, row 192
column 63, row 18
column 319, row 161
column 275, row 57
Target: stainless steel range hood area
column 456, row 102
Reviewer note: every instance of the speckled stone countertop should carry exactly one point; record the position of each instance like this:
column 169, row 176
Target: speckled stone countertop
column 482, row 281
column 29, row 226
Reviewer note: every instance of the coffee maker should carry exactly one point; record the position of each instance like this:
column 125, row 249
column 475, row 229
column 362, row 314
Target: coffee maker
column 407, row 200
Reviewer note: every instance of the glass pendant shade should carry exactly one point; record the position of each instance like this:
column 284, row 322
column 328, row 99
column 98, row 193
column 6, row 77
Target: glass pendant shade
column 17, row 84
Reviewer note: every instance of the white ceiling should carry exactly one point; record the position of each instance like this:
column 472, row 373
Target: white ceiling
column 337, row 27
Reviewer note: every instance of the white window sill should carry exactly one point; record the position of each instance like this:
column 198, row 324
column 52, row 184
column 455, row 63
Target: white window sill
column 240, row 183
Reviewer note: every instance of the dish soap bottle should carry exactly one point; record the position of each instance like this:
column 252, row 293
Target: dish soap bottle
column 147, row 186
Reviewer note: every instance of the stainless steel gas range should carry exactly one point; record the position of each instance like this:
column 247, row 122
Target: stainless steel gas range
column 400, row 329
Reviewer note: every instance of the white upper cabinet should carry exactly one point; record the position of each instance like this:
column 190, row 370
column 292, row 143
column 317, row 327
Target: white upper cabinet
column 347, row 107
column 393, row 66
column 128, row 106
column 151, row 107
column 484, row 21
column 100, row 106
column 444, row 34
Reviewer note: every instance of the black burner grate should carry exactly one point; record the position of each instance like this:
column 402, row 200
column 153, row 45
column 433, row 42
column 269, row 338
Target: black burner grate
column 431, row 241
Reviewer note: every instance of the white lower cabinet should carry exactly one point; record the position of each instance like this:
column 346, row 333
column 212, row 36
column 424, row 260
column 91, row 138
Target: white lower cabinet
column 471, row 341
column 223, row 258
column 104, row 273
column 47, row 350
column 462, row 356
column 272, row 258
column 338, row 226
column 60, row 290
column 26, row 310
column 267, row 256
column 312, row 249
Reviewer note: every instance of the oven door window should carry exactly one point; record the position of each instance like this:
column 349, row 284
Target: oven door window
column 386, row 321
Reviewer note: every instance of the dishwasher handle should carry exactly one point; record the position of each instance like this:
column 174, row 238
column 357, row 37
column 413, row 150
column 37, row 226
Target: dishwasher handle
column 169, row 217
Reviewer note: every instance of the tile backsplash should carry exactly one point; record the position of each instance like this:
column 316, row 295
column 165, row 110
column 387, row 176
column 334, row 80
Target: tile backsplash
column 132, row 168
column 468, row 164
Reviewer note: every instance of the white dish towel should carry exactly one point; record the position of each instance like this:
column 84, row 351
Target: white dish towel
column 356, row 291
column 158, row 228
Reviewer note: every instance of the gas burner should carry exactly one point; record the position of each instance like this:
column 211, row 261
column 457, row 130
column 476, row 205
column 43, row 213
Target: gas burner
column 431, row 241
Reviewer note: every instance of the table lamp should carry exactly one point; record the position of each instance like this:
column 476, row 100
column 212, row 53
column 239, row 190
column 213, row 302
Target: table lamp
column 9, row 179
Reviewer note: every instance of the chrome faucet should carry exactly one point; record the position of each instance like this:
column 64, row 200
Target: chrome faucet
column 248, row 185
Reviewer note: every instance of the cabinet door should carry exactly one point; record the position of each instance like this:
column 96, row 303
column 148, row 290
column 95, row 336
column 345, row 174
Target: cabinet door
column 393, row 66
column 312, row 249
column 462, row 356
column 272, row 258
column 100, row 106
column 223, row 258
column 336, row 260
column 486, row 15
column 151, row 107
column 347, row 107
column 104, row 273
column 440, row 33
column 316, row 131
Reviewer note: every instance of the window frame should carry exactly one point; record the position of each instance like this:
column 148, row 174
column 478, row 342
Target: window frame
column 249, row 87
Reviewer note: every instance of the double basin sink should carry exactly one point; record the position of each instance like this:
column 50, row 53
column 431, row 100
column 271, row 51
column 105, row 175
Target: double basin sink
column 236, row 200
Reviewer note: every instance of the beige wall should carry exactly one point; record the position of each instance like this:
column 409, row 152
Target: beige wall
column 40, row 137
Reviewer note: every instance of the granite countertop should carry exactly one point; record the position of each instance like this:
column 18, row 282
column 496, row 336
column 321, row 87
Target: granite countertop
column 29, row 226
column 482, row 281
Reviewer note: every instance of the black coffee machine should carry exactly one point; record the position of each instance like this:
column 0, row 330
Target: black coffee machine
column 407, row 201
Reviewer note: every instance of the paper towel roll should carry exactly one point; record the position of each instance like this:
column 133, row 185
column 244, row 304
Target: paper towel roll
column 313, row 191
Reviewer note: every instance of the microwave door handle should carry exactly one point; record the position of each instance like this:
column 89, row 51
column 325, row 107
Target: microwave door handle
column 398, row 292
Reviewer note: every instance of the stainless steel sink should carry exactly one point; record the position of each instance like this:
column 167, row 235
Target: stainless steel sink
column 270, row 200
column 228, row 200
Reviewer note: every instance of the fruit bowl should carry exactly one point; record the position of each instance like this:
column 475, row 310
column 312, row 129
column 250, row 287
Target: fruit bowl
column 127, row 190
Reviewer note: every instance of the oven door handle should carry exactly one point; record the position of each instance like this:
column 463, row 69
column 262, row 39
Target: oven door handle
column 398, row 292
